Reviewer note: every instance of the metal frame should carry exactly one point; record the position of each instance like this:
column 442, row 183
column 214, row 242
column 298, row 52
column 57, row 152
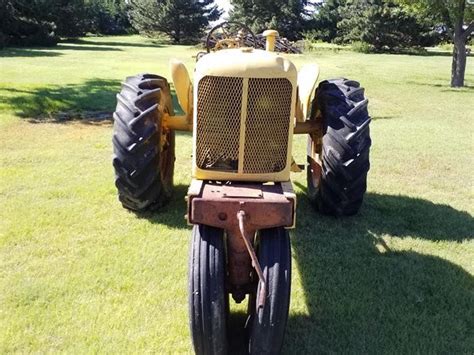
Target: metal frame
column 241, row 210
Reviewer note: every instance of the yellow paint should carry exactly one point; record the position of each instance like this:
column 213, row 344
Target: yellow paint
column 307, row 79
column 243, row 120
column 242, row 63
column 177, row 123
column 183, row 86
column 271, row 36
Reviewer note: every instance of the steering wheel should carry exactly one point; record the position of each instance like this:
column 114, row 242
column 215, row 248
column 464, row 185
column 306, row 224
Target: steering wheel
column 229, row 35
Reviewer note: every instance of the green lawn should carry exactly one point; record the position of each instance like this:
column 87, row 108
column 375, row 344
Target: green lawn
column 79, row 274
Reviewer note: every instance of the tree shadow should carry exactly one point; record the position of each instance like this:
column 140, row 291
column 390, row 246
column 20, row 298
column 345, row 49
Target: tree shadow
column 28, row 52
column 432, row 53
column 93, row 100
column 153, row 44
column 45, row 102
column 95, row 48
column 447, row 88
column 465, row 89
column 362, row 297
column 425, row 53
column 439, row 53
column 53, row 51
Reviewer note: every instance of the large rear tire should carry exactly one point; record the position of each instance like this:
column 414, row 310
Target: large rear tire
column 208, row 299
column 338, row 166
column 268, row 323
column 143, row 150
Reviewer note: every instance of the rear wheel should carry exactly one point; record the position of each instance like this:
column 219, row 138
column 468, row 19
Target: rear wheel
column 208, row 299
column 338, row 163
column 143, row 149
column 268, row 323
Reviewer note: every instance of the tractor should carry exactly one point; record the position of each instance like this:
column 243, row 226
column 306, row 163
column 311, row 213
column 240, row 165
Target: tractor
column 243, row 107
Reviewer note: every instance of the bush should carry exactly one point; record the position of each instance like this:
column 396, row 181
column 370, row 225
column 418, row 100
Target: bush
column 363, row 47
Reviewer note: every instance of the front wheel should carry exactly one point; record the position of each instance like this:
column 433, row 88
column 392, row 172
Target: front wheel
column 338, row 163
column 268, row 323
column 208, row 299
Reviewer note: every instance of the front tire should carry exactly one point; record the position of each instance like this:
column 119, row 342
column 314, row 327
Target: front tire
column 208, row 299
column 338, row 166
column 268, row 323
column 143, row 151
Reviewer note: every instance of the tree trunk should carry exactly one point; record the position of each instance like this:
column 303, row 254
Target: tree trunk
column 458, row 67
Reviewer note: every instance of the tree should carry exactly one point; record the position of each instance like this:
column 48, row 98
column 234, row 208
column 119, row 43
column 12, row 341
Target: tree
column 182, row 20
column 42, row 22
column 25, row 24
column 325, row 19
column 458, row 17
column 289, row 17
column 108, row 17
column 70, row 16
column 383, row 25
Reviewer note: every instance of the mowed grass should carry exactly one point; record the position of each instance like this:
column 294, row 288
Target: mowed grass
column 79, row 274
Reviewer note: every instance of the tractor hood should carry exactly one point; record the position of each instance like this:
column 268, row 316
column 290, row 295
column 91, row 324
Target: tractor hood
column 246, row 63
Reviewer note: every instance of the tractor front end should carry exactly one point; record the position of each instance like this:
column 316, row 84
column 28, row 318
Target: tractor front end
column 244, row 107
column 245, row 102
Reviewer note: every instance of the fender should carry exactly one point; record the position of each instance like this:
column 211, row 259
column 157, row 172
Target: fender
column 307, row 79
column 183, row 86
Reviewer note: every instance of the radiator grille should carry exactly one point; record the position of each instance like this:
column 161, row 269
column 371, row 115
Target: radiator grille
column 267, row 121
column 267, row 125
column 219, row 106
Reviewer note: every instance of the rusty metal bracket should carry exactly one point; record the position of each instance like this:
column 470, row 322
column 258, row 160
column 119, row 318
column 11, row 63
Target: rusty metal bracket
column 241, row 209
column 256, row 265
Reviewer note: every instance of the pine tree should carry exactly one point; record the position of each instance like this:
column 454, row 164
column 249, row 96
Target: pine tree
column 108, row 17
column 288, row 17
column 25, row 23
column 382, row 24
column 323, row 25
column 182, row 20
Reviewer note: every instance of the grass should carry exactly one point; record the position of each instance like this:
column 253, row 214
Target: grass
column 79, row 274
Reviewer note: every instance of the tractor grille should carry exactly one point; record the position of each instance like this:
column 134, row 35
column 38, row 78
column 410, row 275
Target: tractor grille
column 267, row 120
column 267, row 124
column 219, row 106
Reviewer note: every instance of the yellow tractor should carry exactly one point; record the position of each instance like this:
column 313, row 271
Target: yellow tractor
column 243, row 108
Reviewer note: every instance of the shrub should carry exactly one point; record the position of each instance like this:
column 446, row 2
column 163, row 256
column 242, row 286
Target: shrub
column 363, row 47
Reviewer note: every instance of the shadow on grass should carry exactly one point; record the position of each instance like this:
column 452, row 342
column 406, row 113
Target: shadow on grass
column 172, row 214
column 447, row 88
column 116, row 44
column 93, row 100
column 95, row 48
column 44, row 102
column 362, row 297
column 465, row 89
column 424, row 53
column 432, row 53
column 53, row 51
column 28, row 52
